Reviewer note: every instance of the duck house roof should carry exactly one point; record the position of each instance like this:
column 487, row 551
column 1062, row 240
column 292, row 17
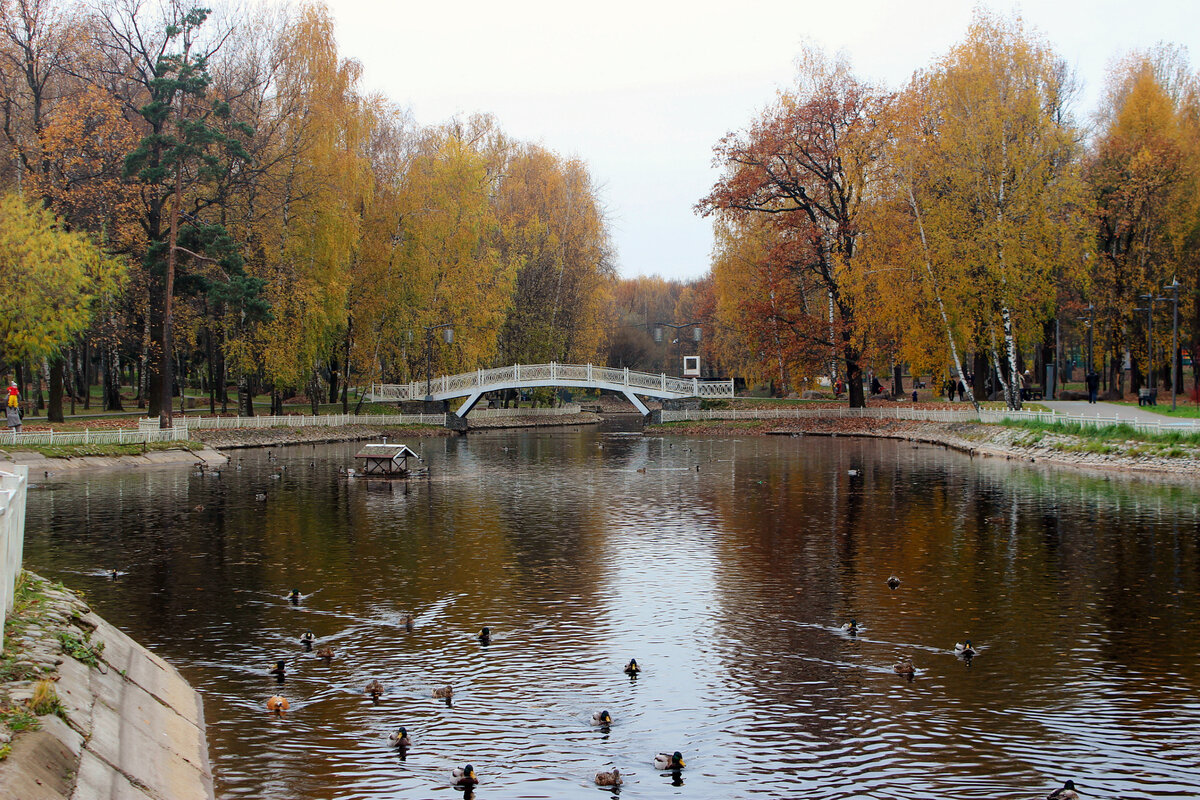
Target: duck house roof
column 393, row 452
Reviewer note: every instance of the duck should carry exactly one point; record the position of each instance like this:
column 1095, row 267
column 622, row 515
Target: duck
column 325, row 653
column 485, row 636
column 260, row 496
column 294, row 595
column 277, row 703
column 113, row 574
column 408, row 622
column 632, row 669
column 671, row 761
column 464, row 776
column 307, row 639
column 965, row 648
column 850, row 627
column 609, row 778
column 279, row 670
column 443, row 692
column 374, row 688
column 400, row 738
column 893, row 582
column 904, row 667
column 1067, row 792
column 602, row 718
column 598, row 774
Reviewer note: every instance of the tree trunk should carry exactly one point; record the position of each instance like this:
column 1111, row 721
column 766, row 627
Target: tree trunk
column 334, row 375
column 854, row 378
column 54, row 412
column 897, row 381
column 1010, row 344
column 980, row 368
column 346, row 368
column 212, row 374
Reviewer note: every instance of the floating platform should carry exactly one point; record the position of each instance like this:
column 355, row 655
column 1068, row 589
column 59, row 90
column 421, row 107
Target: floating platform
column 387, row 461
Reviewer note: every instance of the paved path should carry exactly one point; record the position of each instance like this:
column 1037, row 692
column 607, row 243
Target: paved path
column 1082, row 408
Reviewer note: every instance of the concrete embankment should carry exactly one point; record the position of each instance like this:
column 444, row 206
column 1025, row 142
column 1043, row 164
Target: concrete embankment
column 39, row 464
column 113, row 720
column 1179, row 461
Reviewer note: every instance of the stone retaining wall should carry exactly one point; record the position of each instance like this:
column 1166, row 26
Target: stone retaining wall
column 128, row 728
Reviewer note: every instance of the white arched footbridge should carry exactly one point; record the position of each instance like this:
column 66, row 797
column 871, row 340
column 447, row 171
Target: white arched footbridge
column 629, row 382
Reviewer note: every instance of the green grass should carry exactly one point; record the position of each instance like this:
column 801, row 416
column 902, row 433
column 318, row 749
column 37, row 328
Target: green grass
column 1108, row 433
column 1184, row 407
column 81, row 648
column 19, row 718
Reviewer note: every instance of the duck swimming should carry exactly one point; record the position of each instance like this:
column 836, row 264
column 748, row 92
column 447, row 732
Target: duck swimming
column 279, row 670
column 277, row 703
column 1067, row 792
column 904, row 667
column 400, row 738
column 632, row 669
column 325, row 653
column 443, row 692
column 609, row 778
column 965, row 648
column 408, row 622
column 374, row 688
column 307, row 639
column 893, row 582
column 464, row 776
column 669, row 760
column 850, row 627
column 485, row 636
column 601, row 718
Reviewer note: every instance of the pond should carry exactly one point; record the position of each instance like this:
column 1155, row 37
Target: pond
column 726, row 566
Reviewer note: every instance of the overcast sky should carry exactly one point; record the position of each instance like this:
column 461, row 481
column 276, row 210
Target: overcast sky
column 642, row 91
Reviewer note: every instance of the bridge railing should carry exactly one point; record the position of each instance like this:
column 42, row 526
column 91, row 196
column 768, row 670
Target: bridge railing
column 586, row 374
column 14, row 483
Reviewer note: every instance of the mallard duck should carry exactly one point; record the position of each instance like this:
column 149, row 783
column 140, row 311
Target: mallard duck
column 904, row 667
column 307, row 638
column 260, row 496
column 632, row 668
column 485, row 636
column 601, row 718
column 669, row 760
column 408, row 622
column 850, row 627
column 893, row 582
column 609, row 778
column 294, row 595
column 464, row 776
column 614, row 772
column 279, row 670
column 964, row 648
column 277, row 703
column 325, row 653
column 443, row 692
column 374, row 688
column 1067, row 792
column 400, row 738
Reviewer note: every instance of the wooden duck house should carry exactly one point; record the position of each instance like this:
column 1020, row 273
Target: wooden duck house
column 386, row 460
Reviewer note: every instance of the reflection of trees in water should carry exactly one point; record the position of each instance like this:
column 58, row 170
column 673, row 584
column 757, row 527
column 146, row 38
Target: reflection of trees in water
column 1028, row 565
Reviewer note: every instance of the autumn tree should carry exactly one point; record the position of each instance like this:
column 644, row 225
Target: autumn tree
column 806, row 166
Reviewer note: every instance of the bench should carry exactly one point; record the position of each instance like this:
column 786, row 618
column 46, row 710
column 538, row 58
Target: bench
column 1147, row 397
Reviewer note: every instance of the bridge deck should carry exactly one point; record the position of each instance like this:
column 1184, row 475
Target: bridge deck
column 522, row 376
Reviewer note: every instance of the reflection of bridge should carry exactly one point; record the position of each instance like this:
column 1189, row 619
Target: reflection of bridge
column 524, row 376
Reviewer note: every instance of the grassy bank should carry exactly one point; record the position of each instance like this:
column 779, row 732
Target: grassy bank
column 104, row 450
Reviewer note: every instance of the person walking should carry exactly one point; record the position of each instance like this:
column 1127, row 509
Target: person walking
column 1093, row 385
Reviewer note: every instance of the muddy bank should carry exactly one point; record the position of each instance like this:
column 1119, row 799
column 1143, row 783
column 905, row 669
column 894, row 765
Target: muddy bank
column 974, row 439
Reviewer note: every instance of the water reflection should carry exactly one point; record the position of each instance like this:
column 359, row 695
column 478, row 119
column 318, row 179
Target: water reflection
column 726, row 567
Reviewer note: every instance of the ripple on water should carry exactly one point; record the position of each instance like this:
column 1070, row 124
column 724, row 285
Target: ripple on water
column 728, row 584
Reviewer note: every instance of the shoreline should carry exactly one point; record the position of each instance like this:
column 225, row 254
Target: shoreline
column 969, row 438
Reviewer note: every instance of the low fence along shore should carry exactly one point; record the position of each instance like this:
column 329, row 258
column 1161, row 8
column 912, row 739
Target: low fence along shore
column 14, row 484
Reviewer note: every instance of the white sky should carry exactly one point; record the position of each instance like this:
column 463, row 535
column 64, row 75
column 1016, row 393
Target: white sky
column 642, row 91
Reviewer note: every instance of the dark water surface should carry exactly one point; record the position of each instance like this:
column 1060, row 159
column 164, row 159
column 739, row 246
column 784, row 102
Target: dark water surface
column 728, row 583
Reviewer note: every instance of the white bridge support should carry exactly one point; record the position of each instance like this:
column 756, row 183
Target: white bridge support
column 630, row 383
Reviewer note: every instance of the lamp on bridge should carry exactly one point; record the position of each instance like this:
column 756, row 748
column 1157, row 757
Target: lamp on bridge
column 448, row 338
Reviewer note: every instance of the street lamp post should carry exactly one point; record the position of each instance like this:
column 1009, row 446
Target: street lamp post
column 448, row 336
column 1176, row 370
column 695, row 326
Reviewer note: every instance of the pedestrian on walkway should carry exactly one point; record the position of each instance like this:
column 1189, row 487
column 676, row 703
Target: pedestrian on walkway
column 1093, row 385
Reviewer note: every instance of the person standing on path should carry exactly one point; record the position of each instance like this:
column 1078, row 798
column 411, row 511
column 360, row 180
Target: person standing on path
column 13, row 408
column 1093, row 385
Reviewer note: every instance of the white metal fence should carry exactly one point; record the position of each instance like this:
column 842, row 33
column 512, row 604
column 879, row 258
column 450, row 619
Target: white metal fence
column 64, row 438
column 583, row 375
column 186, row 423
column 14, row 483
column 1145, row 426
